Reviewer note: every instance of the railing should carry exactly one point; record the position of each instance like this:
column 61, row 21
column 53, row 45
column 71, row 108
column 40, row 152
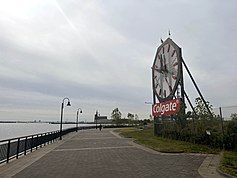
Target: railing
column 13, row 148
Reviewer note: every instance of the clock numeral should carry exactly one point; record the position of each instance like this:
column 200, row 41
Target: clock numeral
column 164, row 62
column 173, row 53
column 161, row 63
column 175, row 64
column 160, row 92
column 156, row 66
column 174, row 60
column 160, row 56
column 168, row 50
column 165, row 93
column 174, row 77
column 163, row 50
column 156, row 81
column 170, row 89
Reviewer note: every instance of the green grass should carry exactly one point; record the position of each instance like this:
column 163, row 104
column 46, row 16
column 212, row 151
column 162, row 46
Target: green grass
column 147, row 138
column 229, row 162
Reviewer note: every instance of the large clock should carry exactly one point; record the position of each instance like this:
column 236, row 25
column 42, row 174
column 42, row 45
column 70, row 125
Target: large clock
column 166, row 70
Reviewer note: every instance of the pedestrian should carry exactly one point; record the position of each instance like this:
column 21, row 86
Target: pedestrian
column 100, row 127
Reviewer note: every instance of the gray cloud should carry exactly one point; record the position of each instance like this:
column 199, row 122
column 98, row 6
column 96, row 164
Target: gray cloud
column 99, row 53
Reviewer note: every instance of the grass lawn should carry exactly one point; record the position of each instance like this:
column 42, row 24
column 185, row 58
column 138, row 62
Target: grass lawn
column 146, row 137
column 229, row 162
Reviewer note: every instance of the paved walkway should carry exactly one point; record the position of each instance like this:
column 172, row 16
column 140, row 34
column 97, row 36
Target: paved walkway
column 94, row 153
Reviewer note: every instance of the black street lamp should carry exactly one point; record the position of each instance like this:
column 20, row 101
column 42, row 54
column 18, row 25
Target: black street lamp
column 61, row 123
column 79, row 110
column 96, row 116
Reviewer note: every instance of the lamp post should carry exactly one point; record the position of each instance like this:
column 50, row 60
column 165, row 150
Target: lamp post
column 61, row 123
column 96, row 117
column 78, row 110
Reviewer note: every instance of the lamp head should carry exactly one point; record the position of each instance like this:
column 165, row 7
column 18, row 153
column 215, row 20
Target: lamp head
column 68, row 104
column 80, row 111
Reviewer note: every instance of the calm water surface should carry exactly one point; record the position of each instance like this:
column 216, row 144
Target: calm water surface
column 11, row 130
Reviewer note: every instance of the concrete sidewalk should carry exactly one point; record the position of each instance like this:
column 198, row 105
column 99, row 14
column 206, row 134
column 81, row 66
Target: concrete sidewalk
column 94, row 153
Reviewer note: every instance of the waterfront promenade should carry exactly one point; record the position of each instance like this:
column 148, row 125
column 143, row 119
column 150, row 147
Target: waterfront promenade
column 94, row 153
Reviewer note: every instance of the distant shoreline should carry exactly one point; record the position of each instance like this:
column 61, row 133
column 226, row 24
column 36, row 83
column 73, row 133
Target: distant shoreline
column 49, row 122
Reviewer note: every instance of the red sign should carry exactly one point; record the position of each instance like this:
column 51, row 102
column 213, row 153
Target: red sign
column 166, row 108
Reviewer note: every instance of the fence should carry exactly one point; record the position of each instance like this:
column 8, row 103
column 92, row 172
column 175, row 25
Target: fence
column 13, row 148
column 227, row 112
column 219, row 131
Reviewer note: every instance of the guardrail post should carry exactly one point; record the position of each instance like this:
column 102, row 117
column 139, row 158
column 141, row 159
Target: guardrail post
column 8, row 150
column 41, row 140
column 37, row 142
column 31, row 144
column 25, row 146
column 45, row 138
column 17, row 149
column 51, row 137
column 48, row 137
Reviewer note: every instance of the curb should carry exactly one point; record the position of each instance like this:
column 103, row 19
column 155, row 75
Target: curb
column 220, row 171
column 208, row 168
column 224, row 174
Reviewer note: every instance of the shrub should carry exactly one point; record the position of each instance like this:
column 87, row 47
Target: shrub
column 196, row 132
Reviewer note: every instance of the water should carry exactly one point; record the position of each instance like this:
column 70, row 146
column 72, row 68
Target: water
column 12, row 130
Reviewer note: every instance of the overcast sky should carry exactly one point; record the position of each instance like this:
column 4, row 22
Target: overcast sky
column 99, row 53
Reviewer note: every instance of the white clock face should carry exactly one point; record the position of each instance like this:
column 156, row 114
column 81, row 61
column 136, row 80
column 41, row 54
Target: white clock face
column 166, row 71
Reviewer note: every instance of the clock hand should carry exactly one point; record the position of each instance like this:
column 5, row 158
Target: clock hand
column 159, row 70
column 165, row 65
column 161, row 62
column 172, row 75
column 171, row 72
column 157, row 85
column 155, row 67
column 165, row 68
column 170, row 88
column 157, row 82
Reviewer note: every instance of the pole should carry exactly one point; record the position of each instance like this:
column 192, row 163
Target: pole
column 182, row 84
column 96, row 114
column 199, row 92
column 190, row 103
column 77, row 122
column 185, row 94
column 222, row 128
column 61, row 123
column 154, row 102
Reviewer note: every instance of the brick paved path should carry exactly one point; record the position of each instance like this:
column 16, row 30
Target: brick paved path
column 91, row 153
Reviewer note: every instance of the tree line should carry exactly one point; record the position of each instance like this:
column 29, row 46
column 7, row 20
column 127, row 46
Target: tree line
column 200, row 127
column 131, row 119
